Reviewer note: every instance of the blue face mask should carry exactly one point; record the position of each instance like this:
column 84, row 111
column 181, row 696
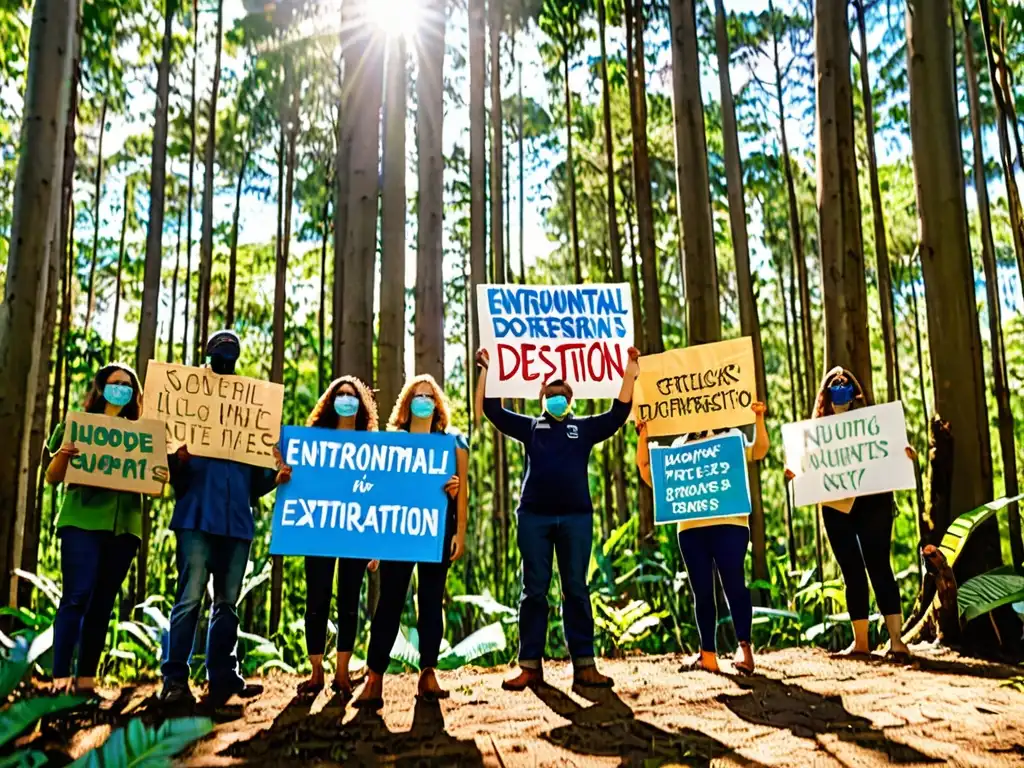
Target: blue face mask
column 346, row 405
column 557, row 405
column 118, row 394
column 841, row 393
column 422, row 406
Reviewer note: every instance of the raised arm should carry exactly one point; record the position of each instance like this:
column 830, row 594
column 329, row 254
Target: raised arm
column 759, row 449
column 604, row 425
column 629, row 378
column 61, row 454
column 513, row 425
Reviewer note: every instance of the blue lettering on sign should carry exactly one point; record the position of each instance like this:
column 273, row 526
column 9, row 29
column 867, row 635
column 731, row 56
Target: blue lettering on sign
column 371, row 495
column 557, row 313
column 707, row 478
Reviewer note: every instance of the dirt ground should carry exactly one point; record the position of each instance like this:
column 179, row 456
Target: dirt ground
column 802, row 709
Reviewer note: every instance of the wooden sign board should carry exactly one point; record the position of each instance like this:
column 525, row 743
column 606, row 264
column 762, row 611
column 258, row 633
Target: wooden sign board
column 219, row 417
column 116, row 453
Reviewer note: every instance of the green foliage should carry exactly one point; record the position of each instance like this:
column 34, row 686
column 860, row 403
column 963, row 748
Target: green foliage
column 985, row 593
column 139, row 746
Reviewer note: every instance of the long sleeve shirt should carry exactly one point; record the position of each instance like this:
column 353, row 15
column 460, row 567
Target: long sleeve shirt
column 556, row 480
column 216, row 496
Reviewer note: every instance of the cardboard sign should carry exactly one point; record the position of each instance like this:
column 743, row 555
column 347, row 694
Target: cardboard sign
column 709, row 386
column 220, row 417
column 376, row 495
column 116, row 453
column 856, row 453
column 706, row 478
column 578, row 333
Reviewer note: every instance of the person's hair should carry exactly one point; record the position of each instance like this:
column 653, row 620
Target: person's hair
column 558, row 383
column 96, row 403
column 823, row 402
column 401, row 414
column 324, row 415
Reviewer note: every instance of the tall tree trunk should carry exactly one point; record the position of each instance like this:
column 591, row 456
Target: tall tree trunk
column 842, row 250
column 429, row 346
column 229, row 312
column 120, row 270
column 34, row 221
column 191, row 179
column 522, row 184
column 693, row 188
column 174, row 291
column 90, row 304
column 614, row 236
column 1007, row 446
column 948, row 272
column 892, row 373
column 157, row 184
column 321, row 369
column 391, row 344
column 477, row 162
column 570, row 171
column 202, row 329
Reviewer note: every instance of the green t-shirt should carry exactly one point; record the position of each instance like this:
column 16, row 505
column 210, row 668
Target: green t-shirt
column 97, row 509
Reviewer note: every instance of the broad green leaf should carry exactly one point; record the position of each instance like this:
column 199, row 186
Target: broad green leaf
column 139, row 746
column 485, row 603
column 47, row 586
column 960, row 530
column 776, row 612
column 986, row 592
column 21, row 714
column 487, row 640
column 41, row 643
column 24, row 758
column 406, row 649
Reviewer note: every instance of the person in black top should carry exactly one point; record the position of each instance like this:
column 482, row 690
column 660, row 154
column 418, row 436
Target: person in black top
column 556, row 518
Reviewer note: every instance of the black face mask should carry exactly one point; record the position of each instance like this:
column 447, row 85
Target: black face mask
column 222, row 364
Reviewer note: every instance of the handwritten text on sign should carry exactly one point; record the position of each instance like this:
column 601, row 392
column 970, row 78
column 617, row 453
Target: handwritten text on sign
column 708, row 386
column 578, row 333
column 221, row 417
column 856, row 453
column 377, row 495
column 703, row 479
column 116, row 453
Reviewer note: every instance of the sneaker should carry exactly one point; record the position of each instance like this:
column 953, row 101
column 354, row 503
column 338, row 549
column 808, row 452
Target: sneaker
column 176, row 692
column 219, row 697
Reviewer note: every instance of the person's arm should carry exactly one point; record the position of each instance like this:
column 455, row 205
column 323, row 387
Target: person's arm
column 462, row 465
column 759, row 448
column 643, row 453
column 514, row 425
column 606, row 424
column 629, row 377
column 61, row 456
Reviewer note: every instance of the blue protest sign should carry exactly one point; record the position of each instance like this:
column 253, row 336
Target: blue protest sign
column 703, row 479
column 374, row 495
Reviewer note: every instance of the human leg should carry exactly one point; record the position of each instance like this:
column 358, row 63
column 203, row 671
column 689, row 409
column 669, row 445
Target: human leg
column 229, row 559
column 319, row 584
column 117, row 554
column 79, row 564
column 537, row 550
column 350, row 584
column 730, row 553
column 874, row 533
column 842, row 536
column 387, row 620
column 694, row 545
column 192, row 555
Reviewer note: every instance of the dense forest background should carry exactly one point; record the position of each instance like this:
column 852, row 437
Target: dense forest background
column 837, row 180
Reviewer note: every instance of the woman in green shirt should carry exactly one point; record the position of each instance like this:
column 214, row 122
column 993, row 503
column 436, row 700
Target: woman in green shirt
column 99, row 531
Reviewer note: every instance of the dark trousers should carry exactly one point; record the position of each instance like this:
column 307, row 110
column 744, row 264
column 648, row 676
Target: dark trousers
column 93, row 565
column 724, row 546
column 394, row 588
column 319, row 586
column 541, row 539
column 201, row 555
column 861, row 540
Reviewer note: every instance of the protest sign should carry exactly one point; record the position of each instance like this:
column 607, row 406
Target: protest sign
column 708, row 386
column 703, row 479
column 116, row 453
column 578, row 333
column 221, row 417
column 856, row 453
column 374, row 495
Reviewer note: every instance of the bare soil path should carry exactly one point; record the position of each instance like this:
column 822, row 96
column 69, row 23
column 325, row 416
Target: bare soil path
column 802, row 709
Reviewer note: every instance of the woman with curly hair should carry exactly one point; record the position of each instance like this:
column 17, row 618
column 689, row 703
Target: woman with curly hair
column 421, row 407
column 347, row 404
column 99, row 531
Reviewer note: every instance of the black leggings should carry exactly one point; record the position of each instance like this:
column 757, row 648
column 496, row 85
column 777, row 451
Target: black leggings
column 394, row 587
column 861, row 540
column 319, row 586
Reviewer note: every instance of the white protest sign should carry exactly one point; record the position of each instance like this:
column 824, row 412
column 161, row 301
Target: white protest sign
column 535, row 334
column 856, row 453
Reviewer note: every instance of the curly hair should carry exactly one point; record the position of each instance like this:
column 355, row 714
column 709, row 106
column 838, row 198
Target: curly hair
column 401, row 415
column 823, row 402
column 96, row 403
column 324, row 415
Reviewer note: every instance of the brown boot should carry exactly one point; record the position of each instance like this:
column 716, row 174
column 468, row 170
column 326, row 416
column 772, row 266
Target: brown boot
column 527, row 678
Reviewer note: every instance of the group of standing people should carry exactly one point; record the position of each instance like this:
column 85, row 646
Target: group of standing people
column 100, row 532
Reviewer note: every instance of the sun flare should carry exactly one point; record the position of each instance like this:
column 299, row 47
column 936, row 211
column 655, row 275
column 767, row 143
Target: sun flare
column 397, row 17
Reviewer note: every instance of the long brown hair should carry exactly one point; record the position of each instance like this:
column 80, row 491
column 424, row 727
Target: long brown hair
column 401, row 415
column 96, row 403
column 823, row 402
column 324, row 415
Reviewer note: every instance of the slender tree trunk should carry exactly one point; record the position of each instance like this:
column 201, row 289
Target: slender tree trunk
column 477, row 163
column 918, row 344
column 229, row 319
column 570, row 170
column 174, row 292
column 322, row 315
column 522, row 185
column 614, row 236
column 90, row 305
column 120, row 270
column 191, row 179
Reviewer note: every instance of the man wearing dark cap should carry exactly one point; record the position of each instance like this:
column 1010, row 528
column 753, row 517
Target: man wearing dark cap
column 556, row 518
column 213, row 523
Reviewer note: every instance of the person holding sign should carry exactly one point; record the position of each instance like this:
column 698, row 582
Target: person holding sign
column 214, row 527
column 709, row 542
column 556, row 518
column 860, row 533
column 347, row 404
column 421, row 407
column 99, row 531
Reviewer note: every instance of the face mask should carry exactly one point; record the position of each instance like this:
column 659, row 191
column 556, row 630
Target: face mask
column 422, row 407
column 557, row 405
column 222, row 361
column 842, row 394
column 346, row 405
column 118, row 394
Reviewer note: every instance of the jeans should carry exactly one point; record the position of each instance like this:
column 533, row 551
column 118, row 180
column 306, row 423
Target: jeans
column 93, row 565
column 541, row 538
column 201, row 555
column 724, row 546
column 319, row 586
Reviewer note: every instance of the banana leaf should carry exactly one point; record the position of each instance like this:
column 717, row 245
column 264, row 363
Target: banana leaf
column 989, row 591
column 139, row 746
column 487, row 640
column 21, row 714
column 960, row 530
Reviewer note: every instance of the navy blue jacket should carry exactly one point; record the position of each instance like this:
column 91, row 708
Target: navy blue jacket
column 557, row 481
column 216, row 496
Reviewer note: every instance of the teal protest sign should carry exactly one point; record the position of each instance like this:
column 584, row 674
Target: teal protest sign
column 702, row 479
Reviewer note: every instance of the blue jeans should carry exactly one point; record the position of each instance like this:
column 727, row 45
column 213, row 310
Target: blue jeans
column 201, row 555
column 93, row 565
column 541, row 538
column 724, row 546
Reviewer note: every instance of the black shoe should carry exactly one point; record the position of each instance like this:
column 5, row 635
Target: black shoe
column 176, row 693
column 219, row 697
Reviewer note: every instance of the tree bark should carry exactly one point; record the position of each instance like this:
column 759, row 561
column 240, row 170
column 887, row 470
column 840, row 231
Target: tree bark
column 570, row 170
column 191, row 179
column 229, row 312
column 614, row 236
column 174, row 292
column 120, row 268
column 90, row 304
column 477, row 163
column 522, row 184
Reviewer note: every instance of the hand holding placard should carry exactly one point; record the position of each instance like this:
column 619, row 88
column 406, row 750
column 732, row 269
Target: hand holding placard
column 110, row 452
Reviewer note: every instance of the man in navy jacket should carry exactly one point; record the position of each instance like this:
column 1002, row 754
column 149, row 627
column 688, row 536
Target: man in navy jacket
column 556, row 518
column 214, row 527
